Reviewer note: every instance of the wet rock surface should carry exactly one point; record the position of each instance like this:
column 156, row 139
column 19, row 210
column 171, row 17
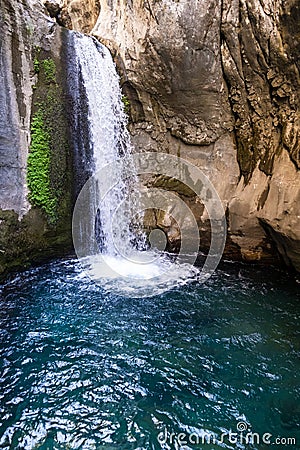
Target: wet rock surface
column 218, row 84
column 32, row 80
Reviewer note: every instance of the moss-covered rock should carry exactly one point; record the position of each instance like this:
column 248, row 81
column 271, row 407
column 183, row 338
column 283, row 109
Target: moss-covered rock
column 38, row 168
column 36, row 162
column 48, row 171
column 30, row 240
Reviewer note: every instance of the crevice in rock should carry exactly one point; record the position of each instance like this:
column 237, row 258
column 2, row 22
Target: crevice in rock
column 286, row 246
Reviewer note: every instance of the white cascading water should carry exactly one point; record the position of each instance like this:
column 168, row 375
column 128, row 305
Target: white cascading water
column 118, row 253
column 109, row 139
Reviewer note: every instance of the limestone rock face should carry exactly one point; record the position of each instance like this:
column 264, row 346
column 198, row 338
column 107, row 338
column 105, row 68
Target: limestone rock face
column 31, row 79
column 218, row 84
column 15, row 107
column 80, row 15
column 262, row 74
column 171, row 51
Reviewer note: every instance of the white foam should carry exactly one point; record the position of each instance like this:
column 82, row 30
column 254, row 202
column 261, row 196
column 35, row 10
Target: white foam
column 142, row 274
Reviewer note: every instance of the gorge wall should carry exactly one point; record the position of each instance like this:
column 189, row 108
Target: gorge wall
column 35, row 153
column 215, row 82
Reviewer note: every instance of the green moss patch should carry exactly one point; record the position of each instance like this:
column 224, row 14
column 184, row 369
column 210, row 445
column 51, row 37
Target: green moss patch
column 126, row 104
column 38, row 167
column 49, row 70
column 48, row 168
column 36, row 65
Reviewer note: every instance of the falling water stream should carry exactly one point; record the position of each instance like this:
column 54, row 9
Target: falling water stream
column 109, row 142
column 108, row 205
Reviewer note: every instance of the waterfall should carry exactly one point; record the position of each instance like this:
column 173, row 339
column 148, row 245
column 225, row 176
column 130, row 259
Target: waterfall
column 108, row 201
column 108, row 141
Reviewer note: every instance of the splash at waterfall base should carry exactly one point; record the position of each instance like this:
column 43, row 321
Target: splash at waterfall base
column 138, row 269
column 107, row 225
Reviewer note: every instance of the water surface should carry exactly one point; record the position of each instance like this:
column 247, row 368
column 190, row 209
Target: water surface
column 82, row 368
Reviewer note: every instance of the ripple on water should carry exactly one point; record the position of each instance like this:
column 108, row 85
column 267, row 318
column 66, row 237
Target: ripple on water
column 84, row 368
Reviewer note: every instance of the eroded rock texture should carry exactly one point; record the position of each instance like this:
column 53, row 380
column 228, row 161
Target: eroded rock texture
column 215, row 82
column 74, row 14
column 15, row 108
column 261, row 67
column 32, row 81
column 218, row 84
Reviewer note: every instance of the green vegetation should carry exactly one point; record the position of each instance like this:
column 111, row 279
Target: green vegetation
column 38, row 167
column 126, row 104
column 48, row 170
column 49, row 70
column 36, row 65
column 36, row 61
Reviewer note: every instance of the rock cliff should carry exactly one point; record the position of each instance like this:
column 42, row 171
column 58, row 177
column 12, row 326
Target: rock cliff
column 215, row 82
column 35, row 201
column 218, row 84
column 74, row 14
